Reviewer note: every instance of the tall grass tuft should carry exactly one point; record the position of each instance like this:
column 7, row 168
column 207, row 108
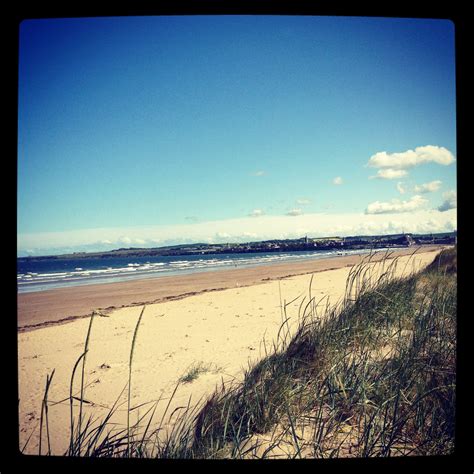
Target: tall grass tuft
column 130, row 377
column 44, row 413
column 86, row 349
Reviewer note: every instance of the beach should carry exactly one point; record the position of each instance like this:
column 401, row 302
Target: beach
column 218, row 322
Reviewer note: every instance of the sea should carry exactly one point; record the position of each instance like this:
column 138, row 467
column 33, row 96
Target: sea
column 59, row 273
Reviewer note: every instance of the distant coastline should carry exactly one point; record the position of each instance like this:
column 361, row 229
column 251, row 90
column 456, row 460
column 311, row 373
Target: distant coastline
column 276, row 245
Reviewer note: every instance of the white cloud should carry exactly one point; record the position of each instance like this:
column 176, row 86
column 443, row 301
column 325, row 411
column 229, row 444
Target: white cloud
column 294, row 212
column 411, row 158
column 428, row 187
column 401, row 188
column 259, row 173
column 389, row 174
column 125, row 240
column 396, row 206
column 251, row 235
column 436, row 224
column 222, row 235
column 256, row 213
column 450, row 201
column 337, row 180
column 395, row 165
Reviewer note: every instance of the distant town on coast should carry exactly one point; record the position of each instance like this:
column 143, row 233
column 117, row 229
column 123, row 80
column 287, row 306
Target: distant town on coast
column 276, row 245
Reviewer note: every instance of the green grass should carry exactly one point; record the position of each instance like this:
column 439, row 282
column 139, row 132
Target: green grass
column 194, row 372
column 373, row 376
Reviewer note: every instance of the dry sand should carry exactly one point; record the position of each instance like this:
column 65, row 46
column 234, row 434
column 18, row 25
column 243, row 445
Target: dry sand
column 225, row 331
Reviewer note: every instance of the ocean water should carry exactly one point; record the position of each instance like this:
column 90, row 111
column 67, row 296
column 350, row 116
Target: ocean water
column 58, row 273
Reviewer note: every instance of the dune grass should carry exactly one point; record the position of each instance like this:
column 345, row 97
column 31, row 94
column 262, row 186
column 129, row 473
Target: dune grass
column 374, row 375
column 194, row 372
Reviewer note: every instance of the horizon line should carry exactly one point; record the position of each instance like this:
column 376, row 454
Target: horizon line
column 234, row 243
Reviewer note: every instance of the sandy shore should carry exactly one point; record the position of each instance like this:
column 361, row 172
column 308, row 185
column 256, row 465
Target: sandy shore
column 43, row 308
column 223, row 331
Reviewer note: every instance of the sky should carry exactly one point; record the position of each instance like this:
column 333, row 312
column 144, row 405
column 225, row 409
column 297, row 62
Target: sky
column 161, row 130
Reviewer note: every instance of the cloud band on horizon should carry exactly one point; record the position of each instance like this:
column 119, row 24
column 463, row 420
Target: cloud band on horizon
column 244, row 229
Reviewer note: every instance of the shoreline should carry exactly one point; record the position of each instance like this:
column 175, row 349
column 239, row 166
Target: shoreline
column 62, row 305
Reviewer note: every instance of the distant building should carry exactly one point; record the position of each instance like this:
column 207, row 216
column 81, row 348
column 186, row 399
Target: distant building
column 410, row 240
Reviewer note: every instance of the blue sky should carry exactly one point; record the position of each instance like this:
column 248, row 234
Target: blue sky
column 146, row 131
